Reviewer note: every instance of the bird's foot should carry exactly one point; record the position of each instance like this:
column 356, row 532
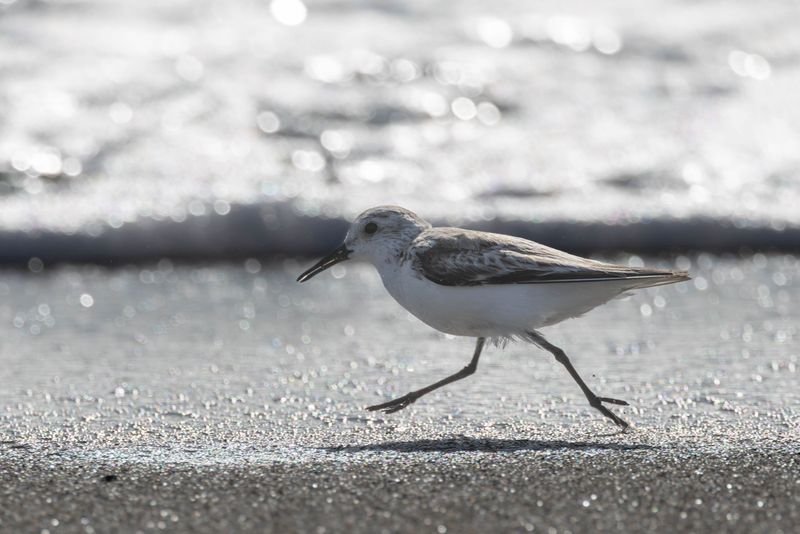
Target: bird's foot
column 612, row 401
column 596, row 403
column 394, row 405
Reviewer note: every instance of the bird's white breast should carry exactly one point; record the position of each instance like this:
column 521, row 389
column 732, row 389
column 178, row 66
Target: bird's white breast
column 492, row 310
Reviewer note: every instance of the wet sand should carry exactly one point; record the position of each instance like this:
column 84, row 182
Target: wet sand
column 228, row 398
column 414, row 480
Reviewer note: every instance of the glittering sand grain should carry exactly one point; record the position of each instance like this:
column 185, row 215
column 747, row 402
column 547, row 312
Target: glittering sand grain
column 225, row 398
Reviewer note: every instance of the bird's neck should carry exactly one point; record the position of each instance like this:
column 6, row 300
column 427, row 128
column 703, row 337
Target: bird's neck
column 391, row 273
column 390, row 256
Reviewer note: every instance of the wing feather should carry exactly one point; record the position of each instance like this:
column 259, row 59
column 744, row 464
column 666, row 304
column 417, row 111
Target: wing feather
column 456, row 257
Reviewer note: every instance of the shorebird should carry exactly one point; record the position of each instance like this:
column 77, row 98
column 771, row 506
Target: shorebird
column 489, row 286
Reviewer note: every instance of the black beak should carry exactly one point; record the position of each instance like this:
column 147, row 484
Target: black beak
column 337, row 256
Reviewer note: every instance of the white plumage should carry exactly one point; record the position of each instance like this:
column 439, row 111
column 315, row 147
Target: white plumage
column 495, row 311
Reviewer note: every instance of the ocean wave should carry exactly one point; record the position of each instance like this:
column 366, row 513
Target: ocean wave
column 237, row 129
column 280, row 230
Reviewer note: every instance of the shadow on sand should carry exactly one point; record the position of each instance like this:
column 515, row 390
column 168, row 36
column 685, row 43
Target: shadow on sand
column 461, row 444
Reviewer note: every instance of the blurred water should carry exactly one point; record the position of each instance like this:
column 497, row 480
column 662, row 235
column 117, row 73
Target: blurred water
column 172, row 116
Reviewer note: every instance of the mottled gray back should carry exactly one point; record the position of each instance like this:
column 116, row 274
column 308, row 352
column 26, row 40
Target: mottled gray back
column 456, row 257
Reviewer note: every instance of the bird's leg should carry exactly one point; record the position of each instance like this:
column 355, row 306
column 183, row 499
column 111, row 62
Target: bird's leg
column 398, row 404
column 594, row 400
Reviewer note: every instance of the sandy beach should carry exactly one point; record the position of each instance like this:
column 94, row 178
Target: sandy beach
column 152, row 378
column 226, row 397
column 416, row 478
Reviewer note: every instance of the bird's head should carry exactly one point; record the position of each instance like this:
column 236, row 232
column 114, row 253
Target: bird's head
column 379, row 235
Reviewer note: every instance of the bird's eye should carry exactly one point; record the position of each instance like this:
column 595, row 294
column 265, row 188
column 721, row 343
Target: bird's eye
column 371, row 228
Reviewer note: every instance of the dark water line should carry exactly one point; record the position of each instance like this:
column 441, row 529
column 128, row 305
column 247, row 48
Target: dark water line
column 279, row 230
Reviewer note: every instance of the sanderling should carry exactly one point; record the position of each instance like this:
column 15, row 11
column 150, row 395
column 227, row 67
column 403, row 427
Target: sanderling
column 484, row 285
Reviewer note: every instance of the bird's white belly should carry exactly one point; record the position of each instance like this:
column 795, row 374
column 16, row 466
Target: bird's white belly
column 494, row 310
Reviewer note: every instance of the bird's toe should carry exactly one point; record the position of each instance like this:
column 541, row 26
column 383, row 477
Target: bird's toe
column 394, row 405
column 613, row 401
column 596, row 403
